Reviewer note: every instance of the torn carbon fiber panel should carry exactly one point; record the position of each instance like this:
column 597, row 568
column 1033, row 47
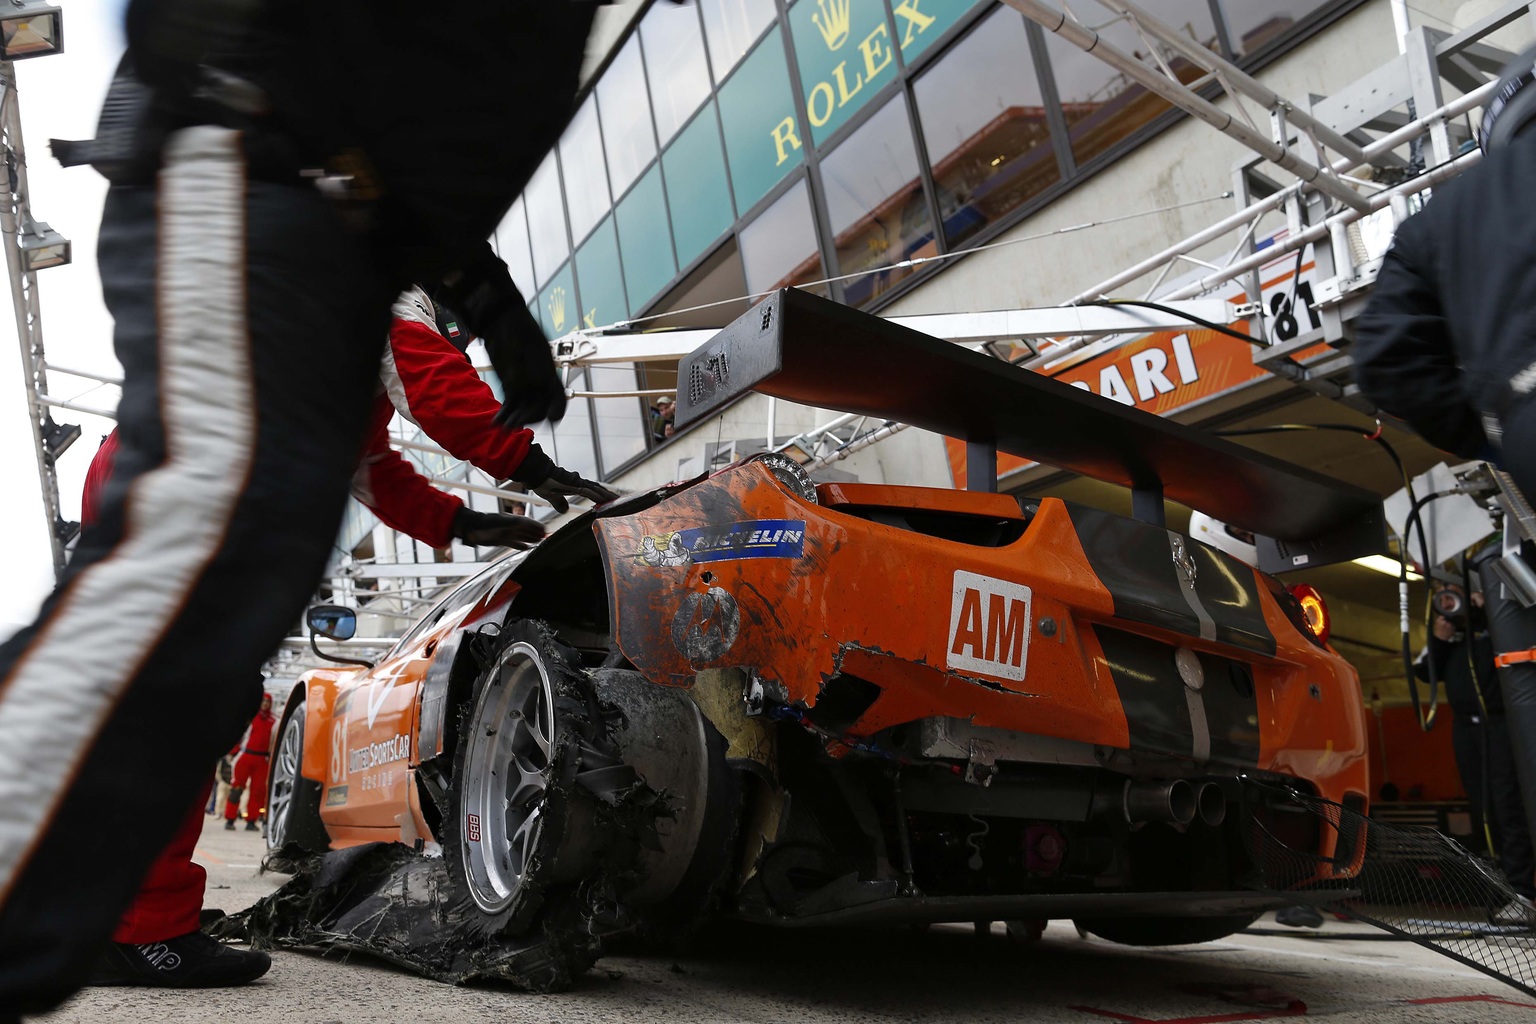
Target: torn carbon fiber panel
column 388, row 901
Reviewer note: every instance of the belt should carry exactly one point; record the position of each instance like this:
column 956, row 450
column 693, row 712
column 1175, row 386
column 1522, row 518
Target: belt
column 255, row 753
column 1515, row 658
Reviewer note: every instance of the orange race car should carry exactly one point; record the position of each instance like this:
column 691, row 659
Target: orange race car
column 753, row 695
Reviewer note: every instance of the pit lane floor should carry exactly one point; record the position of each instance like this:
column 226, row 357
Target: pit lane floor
column 760, row 975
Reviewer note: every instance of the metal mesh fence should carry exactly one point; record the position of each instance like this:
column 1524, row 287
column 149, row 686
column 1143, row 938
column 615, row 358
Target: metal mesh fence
column 1409, row 880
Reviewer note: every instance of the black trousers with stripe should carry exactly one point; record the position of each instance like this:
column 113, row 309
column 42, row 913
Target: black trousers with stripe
column 249, row 324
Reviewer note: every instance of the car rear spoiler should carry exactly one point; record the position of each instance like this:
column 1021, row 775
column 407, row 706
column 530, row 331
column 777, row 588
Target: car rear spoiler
column 806, row 349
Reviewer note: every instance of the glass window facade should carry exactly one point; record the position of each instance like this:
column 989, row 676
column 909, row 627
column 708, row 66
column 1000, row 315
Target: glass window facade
column 1253, row 23
column 920, row 23
column 581, row 163
column 763, row 137
column 986, row 127
column 1103, row 106
column 622, row 422
column 875, row 198
column 546, row 220
column 602, row 282
column 625, row 107
column 558, row 305
column 512, row 247
column 842, row 140
column 846, row 56
column 700, row 197
column 779, row 248
column 645, row 243
column 674, row 64
column 732, row 26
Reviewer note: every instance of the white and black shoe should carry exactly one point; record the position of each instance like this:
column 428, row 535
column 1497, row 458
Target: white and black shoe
column 193, row 960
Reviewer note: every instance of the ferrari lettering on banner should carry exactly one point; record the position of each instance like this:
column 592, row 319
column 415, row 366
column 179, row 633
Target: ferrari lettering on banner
column 753, row 538
column 988, row 626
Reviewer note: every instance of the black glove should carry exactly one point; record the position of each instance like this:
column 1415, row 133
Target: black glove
column 554, row 484
column 489, row 304
column 531, row 386
column 495, row 529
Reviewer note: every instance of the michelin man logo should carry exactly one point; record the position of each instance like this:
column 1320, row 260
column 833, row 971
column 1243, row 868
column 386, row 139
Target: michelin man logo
column 664, row 551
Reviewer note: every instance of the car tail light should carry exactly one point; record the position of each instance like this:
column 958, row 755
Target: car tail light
column 1314, row 610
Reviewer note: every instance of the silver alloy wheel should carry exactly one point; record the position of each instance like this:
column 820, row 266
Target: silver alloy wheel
column 511, row 741
column 285, row 779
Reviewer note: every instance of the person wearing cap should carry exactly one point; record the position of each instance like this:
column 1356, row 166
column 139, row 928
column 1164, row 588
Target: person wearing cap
column 1448, row 340
column 662, row 415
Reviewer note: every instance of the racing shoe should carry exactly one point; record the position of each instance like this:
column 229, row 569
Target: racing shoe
column 229, row 824
column 1299, row 917
column 251, row 826
column 193, row 960
column 1518, row 911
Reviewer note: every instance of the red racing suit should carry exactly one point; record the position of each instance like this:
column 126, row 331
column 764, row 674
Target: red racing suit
column 171, row 895
column 432, row 384
column 251, row 769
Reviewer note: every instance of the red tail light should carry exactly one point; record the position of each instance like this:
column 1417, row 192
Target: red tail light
column 1314, row 609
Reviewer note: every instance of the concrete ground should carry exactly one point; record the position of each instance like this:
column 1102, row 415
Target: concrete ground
column 947, row 974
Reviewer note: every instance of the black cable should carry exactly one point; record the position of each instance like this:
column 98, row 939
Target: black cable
column 1426, row 722
column 1285, row 428
column 1469, row 646
column 1209, row 325
column 1426, row 719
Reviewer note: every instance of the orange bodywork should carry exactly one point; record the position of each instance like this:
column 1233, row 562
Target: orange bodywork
column 363, row 729
column 885, row 604
column 737, row 572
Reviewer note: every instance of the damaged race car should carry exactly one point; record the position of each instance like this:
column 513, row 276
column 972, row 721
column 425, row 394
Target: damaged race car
column 751, row 695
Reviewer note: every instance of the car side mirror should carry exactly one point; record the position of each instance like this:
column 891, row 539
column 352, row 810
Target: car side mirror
column 332, row 620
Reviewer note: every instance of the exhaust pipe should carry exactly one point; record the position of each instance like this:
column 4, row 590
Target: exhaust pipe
column 1211, row 803
column 1161, row 801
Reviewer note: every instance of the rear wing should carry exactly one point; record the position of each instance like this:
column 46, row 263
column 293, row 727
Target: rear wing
column 809, row 350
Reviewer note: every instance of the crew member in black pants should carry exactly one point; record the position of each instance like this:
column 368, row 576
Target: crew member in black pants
column 1461, row 651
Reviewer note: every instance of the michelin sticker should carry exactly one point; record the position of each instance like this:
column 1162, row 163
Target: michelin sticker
column 753, row 538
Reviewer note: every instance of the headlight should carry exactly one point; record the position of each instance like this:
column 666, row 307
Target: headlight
column 790, row 473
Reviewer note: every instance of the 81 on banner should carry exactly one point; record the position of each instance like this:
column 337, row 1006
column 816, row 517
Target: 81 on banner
column 1289, row 307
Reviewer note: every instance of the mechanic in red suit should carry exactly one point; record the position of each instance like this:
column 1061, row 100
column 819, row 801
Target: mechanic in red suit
column 251, row 770
column 427, row 378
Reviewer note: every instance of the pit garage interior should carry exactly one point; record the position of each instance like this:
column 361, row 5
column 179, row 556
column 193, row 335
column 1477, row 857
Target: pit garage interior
column 964, row 168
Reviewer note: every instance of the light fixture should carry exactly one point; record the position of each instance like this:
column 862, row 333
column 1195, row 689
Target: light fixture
column 31, row 29
column 66, row 530
column 42, row 247
column 57, row 437
column 1388, row 566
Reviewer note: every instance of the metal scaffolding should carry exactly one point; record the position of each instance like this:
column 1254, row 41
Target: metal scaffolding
column 49, row 439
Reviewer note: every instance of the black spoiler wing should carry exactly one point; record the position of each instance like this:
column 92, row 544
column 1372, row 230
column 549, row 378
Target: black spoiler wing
column 809, row 350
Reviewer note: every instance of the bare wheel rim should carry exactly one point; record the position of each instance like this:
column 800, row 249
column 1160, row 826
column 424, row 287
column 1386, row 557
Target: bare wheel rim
column 285, row 777
column 505, row 782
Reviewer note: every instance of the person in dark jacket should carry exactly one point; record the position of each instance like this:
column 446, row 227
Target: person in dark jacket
column 1461, row 653
column 1448, row 339
column 271, row 193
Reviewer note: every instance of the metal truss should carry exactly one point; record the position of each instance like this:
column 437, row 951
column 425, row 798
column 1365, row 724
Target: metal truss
column 1168, row 45
column 49, row 439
